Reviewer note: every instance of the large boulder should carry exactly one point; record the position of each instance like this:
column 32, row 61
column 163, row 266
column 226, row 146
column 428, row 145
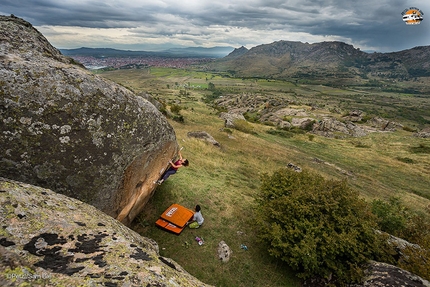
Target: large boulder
column 74, row 132
column 386, row 275
column 224, row 251
column 354, row 116
column 48, row 239
column 330, row 127
column 230, row 117
column 381, row 275
column 384, row 125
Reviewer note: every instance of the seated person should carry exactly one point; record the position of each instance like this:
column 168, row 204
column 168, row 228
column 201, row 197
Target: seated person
column 197, row 218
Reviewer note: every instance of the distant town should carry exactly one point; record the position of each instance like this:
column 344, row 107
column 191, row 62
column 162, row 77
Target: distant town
column 93, row 63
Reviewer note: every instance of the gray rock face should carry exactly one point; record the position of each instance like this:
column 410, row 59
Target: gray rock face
column 329, row 127
column 48, row 239
column 386, row 275
column 230, row 117
column 424, row 133
column 66, row 129
column 354, row 116
column 384, row 125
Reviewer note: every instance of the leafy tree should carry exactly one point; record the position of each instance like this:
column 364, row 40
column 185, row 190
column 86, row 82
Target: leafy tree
column 211, row 86
column 319, row 227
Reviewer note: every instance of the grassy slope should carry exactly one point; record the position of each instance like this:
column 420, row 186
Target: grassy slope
column 224, row 180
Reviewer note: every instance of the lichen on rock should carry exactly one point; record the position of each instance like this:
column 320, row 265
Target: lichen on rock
column 48, row 239
column 74, row 132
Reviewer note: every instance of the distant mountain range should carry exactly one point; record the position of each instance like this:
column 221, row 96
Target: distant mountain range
column 190, row 52
column 336, row 60
column 332, row 61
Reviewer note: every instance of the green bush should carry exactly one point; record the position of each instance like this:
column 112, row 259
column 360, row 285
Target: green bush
column 252, row 117
column 176, row 109
column 209, row 99
column 414, row 227
column 319, row 227
column 409, row 129
column 421, row 148
column 279, row 132
column 243, row 126
column 178, row 118
column 391, row 215
column 417, row 260
column 309, row 126
column 360, row 144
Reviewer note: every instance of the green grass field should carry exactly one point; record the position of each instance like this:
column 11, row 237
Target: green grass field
column 225, row 180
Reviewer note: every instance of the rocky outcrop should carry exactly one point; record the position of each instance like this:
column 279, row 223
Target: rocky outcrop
column 48, row 239
column 386, row 275
column 230, row 118
column 330, row 127
column 424, row 133
column 203, row 136
column 383, row 124
column 302, row 123
column 381, row 275
column 74, row 132
column 354, row 116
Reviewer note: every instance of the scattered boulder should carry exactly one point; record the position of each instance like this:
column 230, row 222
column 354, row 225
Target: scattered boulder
column 302, row 123
column 71, row 131
column 48, row 239
column 424, row 133
column 383, row 124
column 294, row 167
column 284, row 125
column 204, row 136
column 354, row 116
column 224, row 252
column 230, row 117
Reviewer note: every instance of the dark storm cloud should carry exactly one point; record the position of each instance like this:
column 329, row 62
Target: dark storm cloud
column 367, row 24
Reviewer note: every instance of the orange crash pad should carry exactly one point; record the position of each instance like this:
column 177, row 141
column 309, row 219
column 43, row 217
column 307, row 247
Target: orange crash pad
column 174, row 218
column 169, row 226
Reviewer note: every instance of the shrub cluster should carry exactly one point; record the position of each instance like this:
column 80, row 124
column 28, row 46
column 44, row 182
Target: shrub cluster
column 321, row 228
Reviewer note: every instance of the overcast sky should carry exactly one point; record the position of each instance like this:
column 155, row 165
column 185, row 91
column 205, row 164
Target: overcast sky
column 371, row 25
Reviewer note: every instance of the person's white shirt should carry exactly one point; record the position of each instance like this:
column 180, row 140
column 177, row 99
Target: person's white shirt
column 198, row 217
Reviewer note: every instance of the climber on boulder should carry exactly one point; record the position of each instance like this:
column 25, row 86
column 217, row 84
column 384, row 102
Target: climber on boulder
column 174, row 166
